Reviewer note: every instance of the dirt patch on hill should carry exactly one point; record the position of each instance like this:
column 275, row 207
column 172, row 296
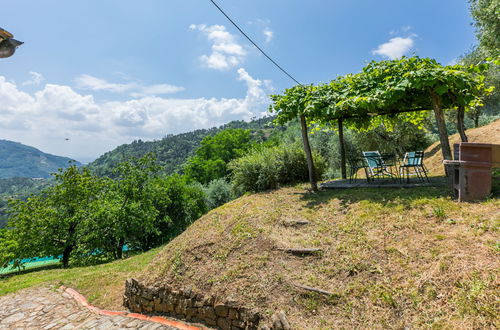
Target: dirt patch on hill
column 387, row 258
column 486, row 134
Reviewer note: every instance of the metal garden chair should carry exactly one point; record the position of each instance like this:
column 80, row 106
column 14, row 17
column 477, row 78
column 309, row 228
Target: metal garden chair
column 376, row 166
column 355, row 164
column 413, row 164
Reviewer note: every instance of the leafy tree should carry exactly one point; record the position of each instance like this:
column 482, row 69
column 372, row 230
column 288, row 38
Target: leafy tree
column 125, row 212
column 486, row 14
column 178, row 203
column 50, row 224
column 215, row 152
column 218, row 192
column 141, row 209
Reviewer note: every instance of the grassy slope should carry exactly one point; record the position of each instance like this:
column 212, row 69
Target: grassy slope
column 486, row 134
column 392, row 257
column 102, row 285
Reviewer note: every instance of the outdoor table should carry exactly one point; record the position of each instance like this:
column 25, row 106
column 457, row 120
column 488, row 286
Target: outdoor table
column 391, row 161
column 381, row 165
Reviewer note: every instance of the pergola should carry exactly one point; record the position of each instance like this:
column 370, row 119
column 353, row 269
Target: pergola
column 385, row 91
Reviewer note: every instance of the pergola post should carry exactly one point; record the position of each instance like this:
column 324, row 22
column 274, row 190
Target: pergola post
column 307, row 150
column 342, row 150
column 441, row 124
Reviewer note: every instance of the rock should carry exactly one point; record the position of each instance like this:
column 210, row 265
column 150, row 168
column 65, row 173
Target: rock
column 223, row 323
column 233, row 314
column 238, row 323
column 284, row 320
column 209, row 313
column 147, row 294
column 211, row 321
column 13, row 318
column 191, row 312
column 276, row 322
column 209, row 301
column 221, row 310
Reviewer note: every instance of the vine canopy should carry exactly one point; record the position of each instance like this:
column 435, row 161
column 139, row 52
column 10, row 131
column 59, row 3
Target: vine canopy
column 384, row 91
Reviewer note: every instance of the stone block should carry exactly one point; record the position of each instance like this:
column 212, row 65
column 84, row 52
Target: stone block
column 170, row 307
column 221, row 310
column 233, row 314
column 209, row 301
column 211, row 321
column 191, row 312
column 209, row 313
column 223, row 323
column 238, row 323
column 147, row 294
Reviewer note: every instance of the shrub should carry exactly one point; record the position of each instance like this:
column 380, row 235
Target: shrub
column 272, row 167
column 218, row 192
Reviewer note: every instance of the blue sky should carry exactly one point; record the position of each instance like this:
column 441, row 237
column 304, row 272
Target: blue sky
column 103, row 73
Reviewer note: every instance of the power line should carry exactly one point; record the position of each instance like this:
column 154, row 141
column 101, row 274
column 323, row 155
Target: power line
column 249, row 39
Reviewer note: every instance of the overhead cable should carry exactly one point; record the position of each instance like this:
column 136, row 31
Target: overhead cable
column 257, row 46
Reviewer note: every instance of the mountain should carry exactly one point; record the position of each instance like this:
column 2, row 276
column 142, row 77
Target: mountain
column 19, row 160
column 173, row 150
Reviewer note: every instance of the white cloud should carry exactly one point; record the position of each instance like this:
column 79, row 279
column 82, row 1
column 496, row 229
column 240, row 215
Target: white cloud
column 395, row 47
column 45, row 118
column 89, row 82
column 36, row 79
column 226, row 52
column 268, row 34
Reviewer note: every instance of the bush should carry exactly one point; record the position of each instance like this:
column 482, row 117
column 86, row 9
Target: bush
column 218, row 192
column 272, row 167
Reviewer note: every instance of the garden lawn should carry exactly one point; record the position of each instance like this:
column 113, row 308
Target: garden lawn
column 102, row 284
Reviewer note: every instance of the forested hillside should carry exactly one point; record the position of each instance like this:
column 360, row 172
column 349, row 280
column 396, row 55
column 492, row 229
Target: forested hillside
column 18, row 188
column 19, row 160
column 172, row 151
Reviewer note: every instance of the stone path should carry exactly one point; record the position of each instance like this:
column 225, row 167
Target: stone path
column 52, row 308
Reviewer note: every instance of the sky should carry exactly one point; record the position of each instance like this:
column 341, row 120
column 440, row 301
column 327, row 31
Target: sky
column 92, row 75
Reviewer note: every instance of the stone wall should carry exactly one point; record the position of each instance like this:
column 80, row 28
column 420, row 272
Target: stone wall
column 194, row 307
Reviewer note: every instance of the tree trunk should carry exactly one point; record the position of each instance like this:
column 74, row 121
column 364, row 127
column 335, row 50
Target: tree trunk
column 476, row 120
column 443, row 133
column 342, row 150
column 66, row 254
column 307, row 150
column 119, row 248
column 460, row 123
column 460, row 118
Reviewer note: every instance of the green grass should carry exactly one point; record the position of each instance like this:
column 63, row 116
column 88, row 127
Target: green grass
column 101, row 284
column 29, row 266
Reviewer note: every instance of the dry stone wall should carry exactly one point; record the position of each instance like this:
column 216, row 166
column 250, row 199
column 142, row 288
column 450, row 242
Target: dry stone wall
column 195, row 307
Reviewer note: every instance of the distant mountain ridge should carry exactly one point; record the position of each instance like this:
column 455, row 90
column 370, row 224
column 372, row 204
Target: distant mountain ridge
column 19, row 160
column 171, row 151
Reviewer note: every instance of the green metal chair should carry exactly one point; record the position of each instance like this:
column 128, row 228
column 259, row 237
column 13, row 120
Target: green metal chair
column 413, row 164
column 355, row 164
column 376, row 167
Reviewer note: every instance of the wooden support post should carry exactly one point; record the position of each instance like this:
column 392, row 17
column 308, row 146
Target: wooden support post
column 307, row 150
column 441, row 124
column 342, row 150
column 460, row 118
column 460, row 124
